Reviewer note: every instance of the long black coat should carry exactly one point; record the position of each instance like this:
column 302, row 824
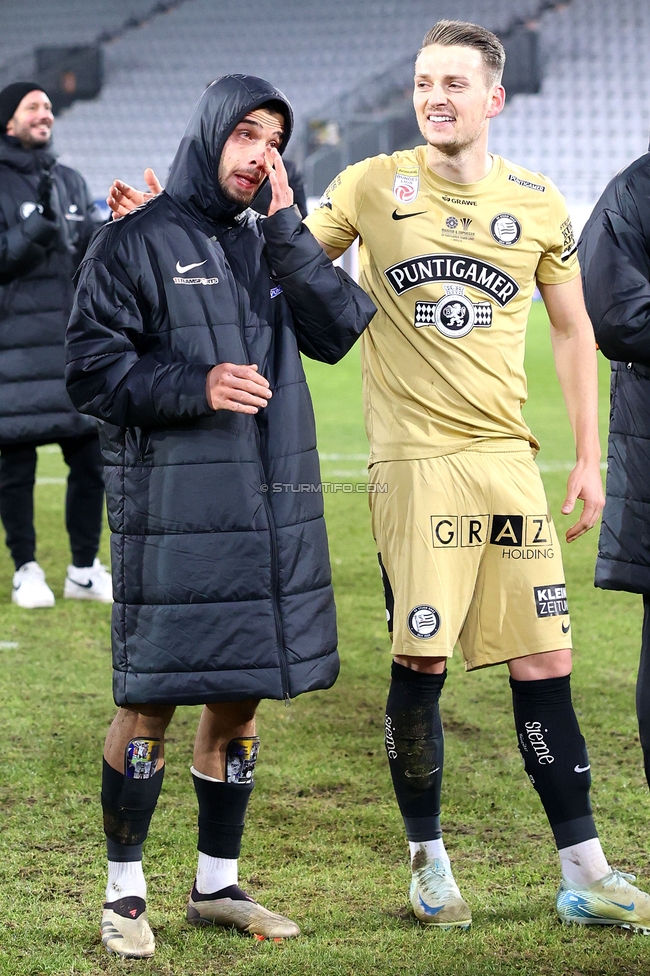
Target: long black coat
column 38, row 259
column 222, row 582
column 615, row 259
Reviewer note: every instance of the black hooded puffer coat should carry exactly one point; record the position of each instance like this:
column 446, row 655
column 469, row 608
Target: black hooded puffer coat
column 615, row 260
column 220, row 564
column 38, row 258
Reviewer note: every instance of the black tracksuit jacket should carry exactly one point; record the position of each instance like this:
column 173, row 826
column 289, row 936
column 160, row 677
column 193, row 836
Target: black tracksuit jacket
column 222, row 581
column 615, row 258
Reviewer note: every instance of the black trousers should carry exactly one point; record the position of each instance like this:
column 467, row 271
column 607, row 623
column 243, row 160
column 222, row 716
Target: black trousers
column 83, row 502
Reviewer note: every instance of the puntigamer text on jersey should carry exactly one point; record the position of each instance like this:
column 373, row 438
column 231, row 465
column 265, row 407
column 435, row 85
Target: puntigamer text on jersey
column 452, row 267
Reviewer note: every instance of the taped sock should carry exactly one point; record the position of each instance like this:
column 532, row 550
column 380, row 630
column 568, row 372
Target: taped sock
column 555, row 756
column 128, row 805
column 222, row 811
column 415, row 748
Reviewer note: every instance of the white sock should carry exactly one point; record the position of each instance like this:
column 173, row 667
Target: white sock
column 125, row 879
column 215, row 873
column 210, row 779
column 584, row 863
column 433, row 848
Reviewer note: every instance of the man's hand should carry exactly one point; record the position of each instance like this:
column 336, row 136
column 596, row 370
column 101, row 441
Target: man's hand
column 44, row 195
column 585, row 483
column 282, row 193
column 123, row 198
column 237, row 388
column 574, row 351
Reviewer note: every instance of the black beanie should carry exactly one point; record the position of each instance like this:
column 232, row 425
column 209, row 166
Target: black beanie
column 11, row 97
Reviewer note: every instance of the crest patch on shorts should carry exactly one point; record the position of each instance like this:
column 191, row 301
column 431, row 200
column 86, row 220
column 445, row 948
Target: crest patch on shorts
column 424, row 621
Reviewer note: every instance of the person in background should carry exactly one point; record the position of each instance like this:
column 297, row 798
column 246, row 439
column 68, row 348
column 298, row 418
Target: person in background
column 46, row 221
column 614, row 253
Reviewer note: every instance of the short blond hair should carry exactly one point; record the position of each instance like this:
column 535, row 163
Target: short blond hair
column 463, row 34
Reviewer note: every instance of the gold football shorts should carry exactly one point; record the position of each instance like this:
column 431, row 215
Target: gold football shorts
column 469, row 554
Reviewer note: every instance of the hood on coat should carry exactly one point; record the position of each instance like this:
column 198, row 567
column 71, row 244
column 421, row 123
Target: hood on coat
column 193, row 181
column 13, row 154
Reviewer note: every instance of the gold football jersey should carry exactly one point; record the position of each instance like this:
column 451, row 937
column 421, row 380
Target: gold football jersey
column 452, row 269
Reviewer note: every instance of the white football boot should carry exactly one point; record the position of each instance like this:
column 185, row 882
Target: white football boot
column 233, row 908
column 125, row 929
column 434, row 894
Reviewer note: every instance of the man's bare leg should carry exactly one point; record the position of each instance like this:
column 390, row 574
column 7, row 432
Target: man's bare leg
column 225, row 753
column 219, row 724
column 136, row 721
column 132, row 776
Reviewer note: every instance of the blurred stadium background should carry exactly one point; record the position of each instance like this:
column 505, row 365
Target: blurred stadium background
column 125, row 74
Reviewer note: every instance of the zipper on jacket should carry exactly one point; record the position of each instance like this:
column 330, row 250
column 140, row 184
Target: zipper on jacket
column 275, row 581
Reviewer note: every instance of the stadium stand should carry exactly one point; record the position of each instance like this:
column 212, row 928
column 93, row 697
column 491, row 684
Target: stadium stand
column 313, row 51
column 26, row 24
column 590, row 118
column 592, row 115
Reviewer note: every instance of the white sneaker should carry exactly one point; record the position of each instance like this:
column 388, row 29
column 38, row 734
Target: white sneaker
column 30, row 589
column 89, row 583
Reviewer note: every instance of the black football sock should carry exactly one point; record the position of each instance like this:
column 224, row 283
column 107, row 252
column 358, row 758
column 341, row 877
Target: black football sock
column 128, row 805
column 555, row 756
column 415, row 746
column 222, row 811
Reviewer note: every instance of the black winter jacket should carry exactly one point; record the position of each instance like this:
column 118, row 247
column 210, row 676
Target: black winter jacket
column 615, row 259
column 38, row 258
column 219, row 553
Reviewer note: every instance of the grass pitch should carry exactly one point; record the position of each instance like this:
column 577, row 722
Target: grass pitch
column 324, row 841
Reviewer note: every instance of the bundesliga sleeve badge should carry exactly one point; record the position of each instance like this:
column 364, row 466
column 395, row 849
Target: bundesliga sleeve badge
column 406, row 184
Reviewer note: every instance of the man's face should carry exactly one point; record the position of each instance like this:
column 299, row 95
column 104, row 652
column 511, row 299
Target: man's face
column 32, row 121
column 454, row 97
column 241, row 167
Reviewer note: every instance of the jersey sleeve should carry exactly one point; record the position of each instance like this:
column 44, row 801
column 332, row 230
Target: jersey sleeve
column 559, row 262
column 335, row 222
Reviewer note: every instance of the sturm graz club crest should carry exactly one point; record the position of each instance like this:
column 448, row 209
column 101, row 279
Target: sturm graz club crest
column 505, row 229
column 454, row 316
column 424, row 621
